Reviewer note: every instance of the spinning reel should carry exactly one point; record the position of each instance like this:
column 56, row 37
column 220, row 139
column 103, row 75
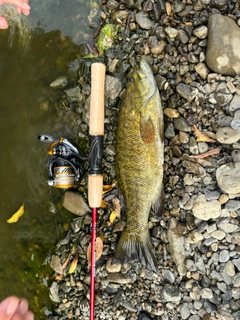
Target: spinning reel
column 64, row 166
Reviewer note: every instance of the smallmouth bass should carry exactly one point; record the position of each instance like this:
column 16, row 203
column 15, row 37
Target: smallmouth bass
column 139, row 164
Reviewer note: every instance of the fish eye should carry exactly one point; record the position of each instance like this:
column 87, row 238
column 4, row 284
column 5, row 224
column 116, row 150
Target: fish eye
column 131, row 80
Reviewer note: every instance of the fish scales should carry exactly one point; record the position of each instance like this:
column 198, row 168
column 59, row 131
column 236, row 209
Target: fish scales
column 139, row 164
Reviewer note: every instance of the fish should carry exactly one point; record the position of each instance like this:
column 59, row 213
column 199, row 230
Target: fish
column 139, row 165
column 19, row 27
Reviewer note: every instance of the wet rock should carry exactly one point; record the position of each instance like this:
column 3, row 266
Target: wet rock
column 75, row 203
column 228, row 178
column 223, row 54
column 205, row 210
column 74, row 95
column 59, row 83
column 176, row 246
column 143, row 20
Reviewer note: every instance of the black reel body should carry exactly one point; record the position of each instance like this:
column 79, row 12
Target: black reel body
column 64, row 166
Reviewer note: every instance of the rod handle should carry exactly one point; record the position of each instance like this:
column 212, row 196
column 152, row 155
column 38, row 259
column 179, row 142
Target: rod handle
column 96, row 122
column 95, row 187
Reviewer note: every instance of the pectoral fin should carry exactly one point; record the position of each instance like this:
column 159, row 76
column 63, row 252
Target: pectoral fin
column 147, row 129
column 158, row 205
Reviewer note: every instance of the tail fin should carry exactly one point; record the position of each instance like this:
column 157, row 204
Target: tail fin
column 131, row 247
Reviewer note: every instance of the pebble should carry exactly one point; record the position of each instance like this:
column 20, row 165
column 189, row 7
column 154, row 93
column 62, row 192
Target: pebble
column 201, row 32
column 205, row 210
column 230, row 269
column 234, row 104
column 119, row 278
column 218, row 234
column 235, row 124
column 228, row 178
column 228, row 227
column 232, row 205
column 171, row 113
column 74, row 202
column 171, row 293
column 227, row 135
column 222, row 54
column 186, row 91
column 143, row 21
column 181, row 124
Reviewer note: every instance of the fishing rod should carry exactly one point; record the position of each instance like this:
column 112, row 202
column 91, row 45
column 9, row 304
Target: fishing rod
column 95, row 177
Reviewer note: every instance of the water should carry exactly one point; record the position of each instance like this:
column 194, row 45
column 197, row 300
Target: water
column 26, row 109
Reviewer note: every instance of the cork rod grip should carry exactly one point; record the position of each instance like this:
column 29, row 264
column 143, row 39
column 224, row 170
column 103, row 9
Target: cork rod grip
column 96, row 124
column 96, row 132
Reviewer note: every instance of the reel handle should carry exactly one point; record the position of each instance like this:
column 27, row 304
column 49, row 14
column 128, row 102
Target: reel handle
column 96, row 132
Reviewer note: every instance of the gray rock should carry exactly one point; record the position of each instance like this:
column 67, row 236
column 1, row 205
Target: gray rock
column 169, row 132
column 113, row 87
column 200, row 32
column 228, row 227
column 224, row 256
column 54, row 292
column 181, row 124
column 205, row 210
column 194, row 168
column 74, row 202
column 236, row 155
column 223, row 95
column 223, row 53
column 74, row 95
column 143, row 21
column 234, row 104
column 182, row 36
column 55, row 264
column 59, row 83
column 184, row 310
column 232, row 205
column 202, row 70
column 227, row 135
column 223, row 120
column 235, row 124
column 228, row 178
column 177, row 246
column 171, row 293
column 171, row 32
column 186, row 91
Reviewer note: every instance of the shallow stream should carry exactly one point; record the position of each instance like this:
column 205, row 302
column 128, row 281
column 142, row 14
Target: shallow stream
column 26, row 109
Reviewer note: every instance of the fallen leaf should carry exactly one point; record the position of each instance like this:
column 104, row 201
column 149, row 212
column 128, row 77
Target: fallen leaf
column 98, row 250
column 64, row 266
column 108, row 187
column 73, row 264
column 117, row 207
column 15, row 217
column 206, row 154
column 112, row 217
column 104, row 204
column 201, row 136
column 168, row 8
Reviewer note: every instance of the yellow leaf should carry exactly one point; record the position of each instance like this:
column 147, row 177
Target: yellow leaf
column 108, row 187
column 112, row 217
column 17, row 215
column 98, row 250
column 201, row 136
column 73, row 264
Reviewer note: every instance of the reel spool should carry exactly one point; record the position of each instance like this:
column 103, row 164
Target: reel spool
column 64, row 167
